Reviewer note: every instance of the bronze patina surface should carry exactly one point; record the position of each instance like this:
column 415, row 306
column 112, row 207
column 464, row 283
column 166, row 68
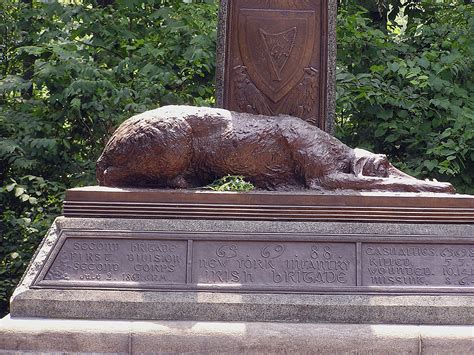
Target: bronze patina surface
column 426, row 208
column 276, row 58
column 302, row 259
column 186, row 147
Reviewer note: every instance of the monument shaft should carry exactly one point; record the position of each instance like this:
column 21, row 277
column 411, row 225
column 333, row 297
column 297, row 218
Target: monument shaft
column 277, row 57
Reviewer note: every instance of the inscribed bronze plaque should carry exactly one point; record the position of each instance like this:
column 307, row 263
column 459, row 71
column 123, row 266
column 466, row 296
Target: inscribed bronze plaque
column 258, row 263
column 418, row 265
column 276, row 58
column 306, row 264
column 114, row 261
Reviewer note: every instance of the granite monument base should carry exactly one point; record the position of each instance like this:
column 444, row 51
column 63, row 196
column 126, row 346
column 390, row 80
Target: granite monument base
column 66, row 278
column 25, row 335
column 204, row 256
column 133, row 271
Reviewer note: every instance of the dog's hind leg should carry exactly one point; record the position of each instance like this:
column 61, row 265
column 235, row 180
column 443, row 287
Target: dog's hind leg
column 114, row 176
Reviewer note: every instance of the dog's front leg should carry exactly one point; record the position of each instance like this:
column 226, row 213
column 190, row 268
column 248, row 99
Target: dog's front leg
column 367, row 183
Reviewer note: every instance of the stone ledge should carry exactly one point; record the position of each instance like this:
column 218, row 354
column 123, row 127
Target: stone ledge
column 208, row 306
column 66, row 335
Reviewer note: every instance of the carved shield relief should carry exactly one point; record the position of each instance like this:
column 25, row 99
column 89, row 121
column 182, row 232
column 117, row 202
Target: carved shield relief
column 276, row 58
column 274, row 45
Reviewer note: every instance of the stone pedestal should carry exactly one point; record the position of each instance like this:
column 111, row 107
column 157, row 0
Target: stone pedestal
column 170, row 337
column 210, row 267
column 64, row 280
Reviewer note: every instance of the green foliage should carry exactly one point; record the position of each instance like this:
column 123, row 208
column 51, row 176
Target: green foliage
column 231, row 183
column 70, row 73
column 30, row 205
column 409, row 92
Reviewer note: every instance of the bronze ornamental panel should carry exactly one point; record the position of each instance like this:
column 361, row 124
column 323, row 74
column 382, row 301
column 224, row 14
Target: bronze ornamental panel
column 302, row 205
column 114, row 261
column 418, row 265
column 268, row 262
column 305, row 264
column 276, row 58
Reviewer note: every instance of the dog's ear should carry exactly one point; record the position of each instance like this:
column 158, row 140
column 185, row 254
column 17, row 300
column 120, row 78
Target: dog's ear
column 377, row 165
column 358, row 165
column 382, row 166
column 366, row 163
column 360, row 159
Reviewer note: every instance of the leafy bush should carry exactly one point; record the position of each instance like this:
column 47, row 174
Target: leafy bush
column 69, row 74
column 410, row 93
column 30, row 205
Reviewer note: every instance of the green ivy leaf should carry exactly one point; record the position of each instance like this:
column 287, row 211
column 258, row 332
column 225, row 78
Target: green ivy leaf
column 19, row 191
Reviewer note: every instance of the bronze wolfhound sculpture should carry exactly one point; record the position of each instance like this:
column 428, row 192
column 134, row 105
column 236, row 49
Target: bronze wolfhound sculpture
column 185, row 147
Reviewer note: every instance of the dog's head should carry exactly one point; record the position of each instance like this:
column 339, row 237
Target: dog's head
column 369, row 164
